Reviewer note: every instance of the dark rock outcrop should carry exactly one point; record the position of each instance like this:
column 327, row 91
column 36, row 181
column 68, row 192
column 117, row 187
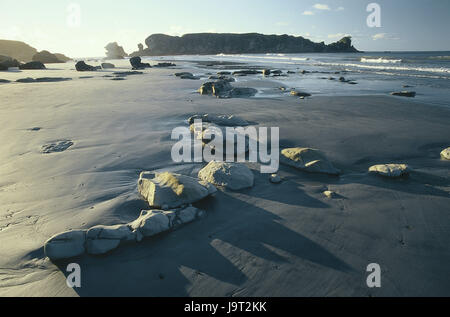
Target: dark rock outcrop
column 6, row 62
column 214, row 43
column 46, row 57
column 81, row 66
column 114, row 51
column 136, row 63
column 223, row 89
column 32, row 65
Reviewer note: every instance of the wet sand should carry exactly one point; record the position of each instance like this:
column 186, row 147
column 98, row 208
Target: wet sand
column 271, row 240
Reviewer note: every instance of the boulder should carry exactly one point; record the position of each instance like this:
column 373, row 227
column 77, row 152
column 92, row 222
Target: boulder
column 216, row 88
column 308, row 160
column 446, row 154
column 114, row 51
column 183, row 74
column 165, row 65
column 390, row 170
column 233, row 176
column 410, row 94
column 65, row 245
column 275, row 179
column 136, row 63
column 172, row 190
column 151, row 223
column 300, row 94
column 223, row 73
column 266, row 72
column 6, row 62
column 191, row 77
column 81, row 66
column 241, row 92
column 32, row 65
column 108, row 65
column 46, row 57
column 102, row 239
column 4, row 81
column 223, row 120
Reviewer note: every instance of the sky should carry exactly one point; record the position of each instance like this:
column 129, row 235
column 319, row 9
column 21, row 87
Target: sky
column 82, row 28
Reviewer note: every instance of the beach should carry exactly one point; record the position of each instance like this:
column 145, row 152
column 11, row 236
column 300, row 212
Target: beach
column 283, row 239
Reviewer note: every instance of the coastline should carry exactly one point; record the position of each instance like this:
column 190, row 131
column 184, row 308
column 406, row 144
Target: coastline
column 317, row 246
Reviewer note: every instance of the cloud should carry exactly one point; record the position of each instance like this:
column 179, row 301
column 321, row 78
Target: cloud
column 337, row 35
column 340, row 9
column 319, row 6
column 384, row 36
column 308, row 13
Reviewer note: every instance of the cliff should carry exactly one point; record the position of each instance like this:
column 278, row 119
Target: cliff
column 17, row 50
column 214, row 43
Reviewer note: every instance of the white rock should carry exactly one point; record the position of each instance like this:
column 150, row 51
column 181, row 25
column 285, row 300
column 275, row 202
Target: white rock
column 309, row 160
column 102, row 239
column 151, row 223
column 390, row 170
column 65, row 245
column 223, row 120
column 172, row 190
column 275, row 179
column 234, row 176
column 446, row 154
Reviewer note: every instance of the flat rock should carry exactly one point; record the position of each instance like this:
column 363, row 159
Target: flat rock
column 57, row 146
column 300, row 94
column 308, row 160
column 410, row 94
column 390, row 170
column 446, row 154
column 65, row 245
column 172, row 190
column 233, row 176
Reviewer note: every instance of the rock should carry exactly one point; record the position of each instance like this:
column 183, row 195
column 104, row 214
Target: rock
column 216, row 88
column 165, row 65
column 275, row 179
column 173, row 190
column 446, row 154
column 224, row 73
column 108, row 65
column 191, row 77
column 410, row 94
column 32, row 65
column 300, row 94
column 62, row 57
column 26, row 80
column 51, row 79
column 222, row 120
column 246, row 72
column 57, row 146
column 81, row 66
column 266, row 72
column 342, row 79
column 390, row 170
column 241, row 93
column 227, row 79
column 137, row 64
column 233, row 176
column 290, row 72
column 140, row 47
column 277, row 72
column 329, row 194
column 308, row 160
column 4, row 81
column 102, row 239
column 65, row 245
column 151, row 223
column 127, row 73
column 114, row 51
column 46, row 57
column 7, row 62
column 183, row 74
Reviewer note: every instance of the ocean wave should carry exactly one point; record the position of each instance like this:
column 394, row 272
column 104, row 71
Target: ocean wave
column 440, row 58
column 394, row 68
column 380, row 60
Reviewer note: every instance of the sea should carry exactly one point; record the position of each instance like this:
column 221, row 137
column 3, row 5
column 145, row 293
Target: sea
column 376, row 73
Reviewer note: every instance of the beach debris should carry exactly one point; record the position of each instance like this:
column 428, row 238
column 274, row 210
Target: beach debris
column 410, row 94
column 66, row 245
column 223, row 120
column 172, row 190
column 81, row 66
column 300, row 94
column 445, row 154
column 234, row 176
column 100, row 240
column 308, row 160
column 56, row 146
column 108, row 65
column 275, row 179
column 136, row 63
column 390, row 170
column 32, row 65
